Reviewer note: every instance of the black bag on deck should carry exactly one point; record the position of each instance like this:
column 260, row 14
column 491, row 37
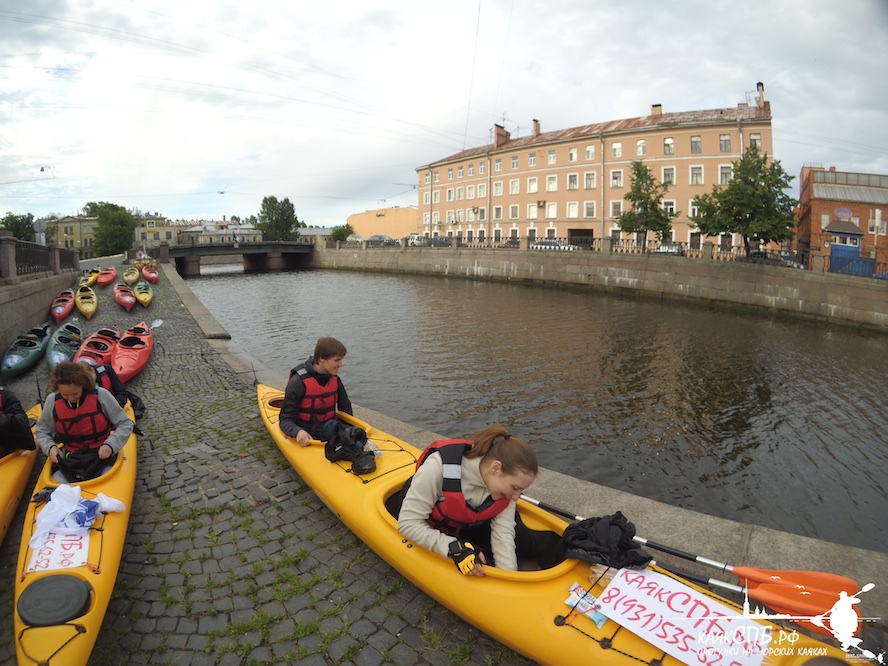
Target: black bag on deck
column 606, row 540
column 346, row 442
column 84, row 464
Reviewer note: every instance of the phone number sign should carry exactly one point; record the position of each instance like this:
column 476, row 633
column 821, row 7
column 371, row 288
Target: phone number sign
column 60, row 552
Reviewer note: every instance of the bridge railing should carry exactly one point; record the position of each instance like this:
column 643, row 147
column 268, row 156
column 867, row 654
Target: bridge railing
column 20, row 258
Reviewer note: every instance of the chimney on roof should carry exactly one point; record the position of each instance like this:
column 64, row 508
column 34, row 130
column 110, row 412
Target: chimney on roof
column 500, row 136
column 760, row 88
column 656, row 109
column 536, row 127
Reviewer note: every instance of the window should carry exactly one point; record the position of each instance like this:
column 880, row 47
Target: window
column 470, row 234
column 573, row 181
column 427, row 178
column 482, row 214
column 590, row 152
column 532, row 186
column 550, row 233
column 669, row 206
column 693, row 210
column 552, row 183
column 436, row 217
column 450, row 218
column 498, row 188
column 617, row 149
column 551, row 157
column 482, row 190
column 696, row 238
column 617, row 178
column 531, row 211
column 668, row 146
column 426, row 197
column 696, row 144
column 435, row 176
column 588, row 209
column 482, row 168
column 571, row 154
column 449, row 174
column 470, row 214
column 871, row 226
column 470, row 191
column 471, row 169
column 459, row 194
column 551, row 210
column 513, row 212
column 514, row 187
column 459, row 215
column 514, row 161
column 573, row 210
column 590, row 180
column 641, row 147
column 449, row 196
column 497, row 212
column 755, row 140
column 725, row 174
column 459, row 172
column 724, row 143
column 696, row 175
column 616, row 208
column 436, row 196
column 668, row 175
column 426, row 218
column 824, row 220
column 498, row 165
column 532, row 159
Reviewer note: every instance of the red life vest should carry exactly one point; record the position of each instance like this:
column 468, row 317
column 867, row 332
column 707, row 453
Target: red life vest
column 103, row 379
column 83, row 426
column 319, row 402
column 453, row 513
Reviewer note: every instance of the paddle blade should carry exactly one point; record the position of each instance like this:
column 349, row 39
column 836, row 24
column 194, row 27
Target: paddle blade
column 809, row 580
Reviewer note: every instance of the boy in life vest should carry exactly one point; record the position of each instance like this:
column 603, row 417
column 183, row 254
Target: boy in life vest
column 314, row 393
column 15, row 430
column 460, row 503
column 81, row 423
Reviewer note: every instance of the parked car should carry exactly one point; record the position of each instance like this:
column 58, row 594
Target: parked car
column 381, row 239
column 552, row 244
column 355, row 238
column 669, row 248
column 416, row 240
column 513, row 243
column 440, row 241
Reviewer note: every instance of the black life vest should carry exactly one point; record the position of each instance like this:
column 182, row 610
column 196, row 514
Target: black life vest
column 319, row 402
column 83, row 426
column 453, row 513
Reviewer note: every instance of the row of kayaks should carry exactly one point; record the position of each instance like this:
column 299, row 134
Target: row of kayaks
column 85, row 299
column 64, row 577
column 128, row 353
column 105, row 276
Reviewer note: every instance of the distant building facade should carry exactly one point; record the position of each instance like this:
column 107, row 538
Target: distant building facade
column 842, row 213
column 395, row 222
column 572, row 183
column 75, row 233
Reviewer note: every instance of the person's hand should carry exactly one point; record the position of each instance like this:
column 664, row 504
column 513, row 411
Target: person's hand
column 55, row 453
column 105, row 451
column 303, row 438
column 467, row 558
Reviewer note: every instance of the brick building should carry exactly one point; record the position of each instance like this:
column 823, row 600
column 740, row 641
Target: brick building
column 571, row 183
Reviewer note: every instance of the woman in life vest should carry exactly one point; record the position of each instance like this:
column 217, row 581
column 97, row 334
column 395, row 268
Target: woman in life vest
column 460, row 503
column 81, row 421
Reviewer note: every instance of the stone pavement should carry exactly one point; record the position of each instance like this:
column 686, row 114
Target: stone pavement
column 230, row 559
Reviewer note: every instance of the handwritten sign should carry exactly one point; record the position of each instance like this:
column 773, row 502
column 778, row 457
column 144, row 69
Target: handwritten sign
column 682, row 622
column 60, row 552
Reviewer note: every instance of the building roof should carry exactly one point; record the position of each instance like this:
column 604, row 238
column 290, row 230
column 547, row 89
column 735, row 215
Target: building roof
column 855, row 193
column 728, row 116
column 845, row 227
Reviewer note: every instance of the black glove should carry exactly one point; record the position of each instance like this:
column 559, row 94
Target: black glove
column 464, row 555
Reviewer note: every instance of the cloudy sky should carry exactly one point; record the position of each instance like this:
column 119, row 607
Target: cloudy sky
column 200, row 108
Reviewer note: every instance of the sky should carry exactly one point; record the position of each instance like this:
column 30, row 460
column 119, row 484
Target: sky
column 198, row 109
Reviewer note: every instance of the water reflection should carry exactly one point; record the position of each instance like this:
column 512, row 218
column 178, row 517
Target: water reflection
column 759, row 419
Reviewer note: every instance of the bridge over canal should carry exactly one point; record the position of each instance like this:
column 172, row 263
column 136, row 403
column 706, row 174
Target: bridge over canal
column 257, row 256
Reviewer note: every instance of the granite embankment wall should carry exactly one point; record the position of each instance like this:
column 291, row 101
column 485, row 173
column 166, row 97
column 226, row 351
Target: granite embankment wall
column 27, row 303
column 856, row 301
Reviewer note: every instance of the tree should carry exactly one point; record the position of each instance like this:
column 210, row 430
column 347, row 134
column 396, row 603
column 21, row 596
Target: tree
column 20, row 226
column 114, row 230
column 755, row 204
column 646, row 212
column 277, row 220
column 341, row 232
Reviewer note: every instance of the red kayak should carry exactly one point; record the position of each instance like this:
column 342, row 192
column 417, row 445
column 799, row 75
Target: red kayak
column 62, row 305
column 124, row 295
column 107, row 276
column 149, row 273
column 99, row 346
column 132, row 352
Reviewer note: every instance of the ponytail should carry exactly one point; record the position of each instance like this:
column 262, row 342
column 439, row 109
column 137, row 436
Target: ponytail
column 495, row 443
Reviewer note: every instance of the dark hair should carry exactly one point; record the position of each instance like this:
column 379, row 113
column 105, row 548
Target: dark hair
column 327, row 348
column 515, row 455
column 67, row 372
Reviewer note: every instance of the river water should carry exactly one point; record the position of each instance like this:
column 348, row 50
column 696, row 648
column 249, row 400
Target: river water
column 743, row 415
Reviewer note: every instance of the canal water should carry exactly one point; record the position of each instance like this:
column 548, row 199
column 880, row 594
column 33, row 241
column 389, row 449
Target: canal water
column 743, row 415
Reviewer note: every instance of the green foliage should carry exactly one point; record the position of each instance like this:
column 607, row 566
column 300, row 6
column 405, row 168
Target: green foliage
column 341, row 232
column 754, row 204
column 20, row 226
column 646, row 212
column 114, row 230
column 277, row 220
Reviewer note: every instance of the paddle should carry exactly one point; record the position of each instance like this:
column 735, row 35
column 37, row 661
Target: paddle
column 810, row 580
column 155, row 324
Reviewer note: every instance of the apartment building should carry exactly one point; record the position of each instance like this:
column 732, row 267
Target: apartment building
column 843, row 213
column 572, row 183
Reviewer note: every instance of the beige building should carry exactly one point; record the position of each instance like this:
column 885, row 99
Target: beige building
column 571, row 183
column 75, row 233
column 395, row 222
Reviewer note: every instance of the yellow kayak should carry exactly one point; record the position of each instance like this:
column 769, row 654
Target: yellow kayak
column 62, row 588
column 131, row 276
column 143, row 293
column 86, row 301
column 15, row 469
column 91, row 277
column 526, row 610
